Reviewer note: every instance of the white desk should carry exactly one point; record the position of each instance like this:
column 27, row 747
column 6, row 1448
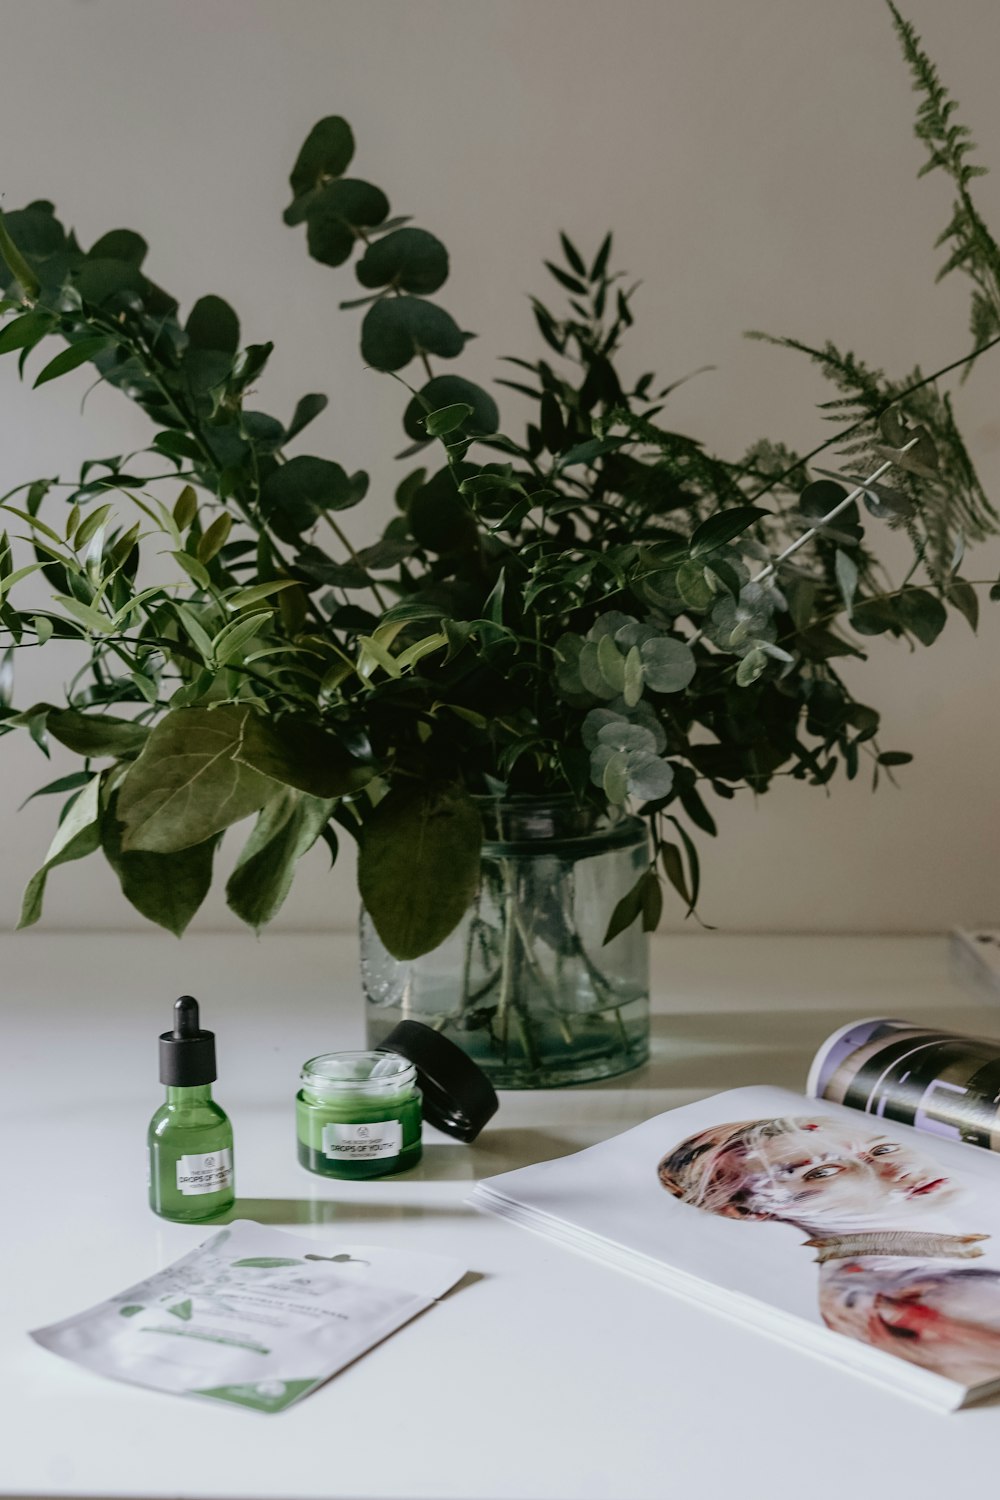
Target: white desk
column 549, row 1376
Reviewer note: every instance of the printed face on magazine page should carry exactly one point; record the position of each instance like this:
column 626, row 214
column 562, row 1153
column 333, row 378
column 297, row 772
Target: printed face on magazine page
column 819, row 1173
column 889, row 1276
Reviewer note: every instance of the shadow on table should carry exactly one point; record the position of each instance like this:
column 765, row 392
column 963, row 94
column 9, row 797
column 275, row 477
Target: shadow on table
column 498, row 1149
column 709, row 1051
column 330, row 1210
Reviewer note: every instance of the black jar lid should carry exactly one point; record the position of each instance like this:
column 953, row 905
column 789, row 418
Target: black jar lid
column 458, row 1096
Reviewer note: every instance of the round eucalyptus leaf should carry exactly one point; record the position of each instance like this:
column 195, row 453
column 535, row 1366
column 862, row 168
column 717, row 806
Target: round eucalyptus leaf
column 875, row 616
column 326, row 152
column 921, row 612
column 647, row 776
column 119, row 244
column 611, row 664
column 820, row 497
column 567, row 658
column 336, row 214
column 621, row 735
column 36, row 230
column 751, row 667
column 692, row 585
column 447, row 390
column 397, row 329
column 634, row 677
column 330, row 240
column 668, row 665
column 212, row 324
column 632, row 633
column 440, row 519
column 611, row 623
column 410, row 259
column 886, row 503
column 596, row 720
column 265, row 432
column 615, row 777
column 661, row 591
column 98, row 280
column 644, row 714
column 589, row 668
column 294, row 495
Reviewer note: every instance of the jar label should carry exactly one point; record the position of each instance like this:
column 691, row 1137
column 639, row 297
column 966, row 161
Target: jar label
column 209, row 1172
column 372, row 1141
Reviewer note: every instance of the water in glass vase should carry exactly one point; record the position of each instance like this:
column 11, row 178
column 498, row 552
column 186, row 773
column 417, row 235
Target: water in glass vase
column 525, row 984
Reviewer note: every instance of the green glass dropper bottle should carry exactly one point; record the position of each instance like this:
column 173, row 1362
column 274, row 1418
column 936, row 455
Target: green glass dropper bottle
column 190, row 1136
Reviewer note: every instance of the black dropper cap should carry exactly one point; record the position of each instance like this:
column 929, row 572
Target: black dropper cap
column 187, row 1054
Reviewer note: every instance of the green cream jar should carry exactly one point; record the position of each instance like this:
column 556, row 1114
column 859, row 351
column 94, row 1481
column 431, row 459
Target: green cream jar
column 358, row 1114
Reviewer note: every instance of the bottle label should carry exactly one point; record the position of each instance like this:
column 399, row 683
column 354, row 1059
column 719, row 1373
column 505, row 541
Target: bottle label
column 373, row 1141
column 209, row 1172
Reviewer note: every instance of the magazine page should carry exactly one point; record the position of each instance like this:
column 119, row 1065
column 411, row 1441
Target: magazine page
column 945, row 1084
column 853, row 1236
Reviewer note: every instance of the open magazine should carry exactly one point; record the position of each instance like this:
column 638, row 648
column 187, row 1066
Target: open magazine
column 854, row 1221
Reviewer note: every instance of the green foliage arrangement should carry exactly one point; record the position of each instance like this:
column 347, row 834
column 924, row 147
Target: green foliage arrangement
column 593, row 608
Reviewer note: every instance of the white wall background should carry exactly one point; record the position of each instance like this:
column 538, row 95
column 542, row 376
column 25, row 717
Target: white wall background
column 757, row 165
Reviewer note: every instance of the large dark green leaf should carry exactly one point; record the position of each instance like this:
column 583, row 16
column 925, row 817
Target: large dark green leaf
column 410, row 259
column 285, row 830
column 449, row 390
column 295, row 751
column 190, row 782
column 418, row 868
column 397, row 329
column 722, row 528
column 96, row 734
column 164, row 888
column 294, row 495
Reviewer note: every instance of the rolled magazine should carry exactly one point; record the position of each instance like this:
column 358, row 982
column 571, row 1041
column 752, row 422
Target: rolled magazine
column 936, row 1081
column 853, row 1220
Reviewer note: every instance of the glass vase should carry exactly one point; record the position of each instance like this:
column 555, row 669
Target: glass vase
column 525, row 983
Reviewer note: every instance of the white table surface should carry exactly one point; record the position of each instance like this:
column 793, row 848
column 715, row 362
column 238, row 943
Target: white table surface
column 545, row 1376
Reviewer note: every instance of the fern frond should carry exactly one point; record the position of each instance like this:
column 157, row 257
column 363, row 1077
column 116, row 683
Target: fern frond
column 949, row 144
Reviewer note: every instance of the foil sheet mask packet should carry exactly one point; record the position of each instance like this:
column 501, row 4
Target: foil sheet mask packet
column 254, row 1316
